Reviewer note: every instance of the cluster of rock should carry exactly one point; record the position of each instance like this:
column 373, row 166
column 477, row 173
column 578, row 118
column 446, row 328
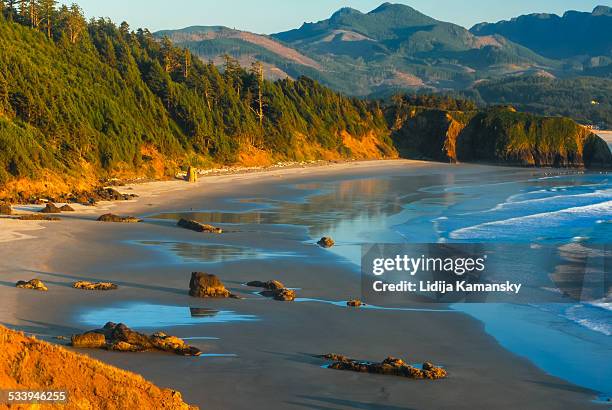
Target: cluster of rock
column 198, row 227
column 85, row 285
column 118, row 219
column 119, row 337
column 37, row 217
column 51, row 208
column 355, row 303
column 99, row 194
column 34, row 284
column 79, row 197
column 326, row 242
column 206, row 285
column 37, row 284
column 274, row 289
column 390, row 366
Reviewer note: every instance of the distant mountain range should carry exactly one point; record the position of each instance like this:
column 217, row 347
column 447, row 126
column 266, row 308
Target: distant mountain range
column 396, row 47
column 578, row 36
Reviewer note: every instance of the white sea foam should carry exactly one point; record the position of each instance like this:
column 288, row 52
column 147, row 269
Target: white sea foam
column 515, row 227
column 605, row 303
column 557, row 200
column 586, row 315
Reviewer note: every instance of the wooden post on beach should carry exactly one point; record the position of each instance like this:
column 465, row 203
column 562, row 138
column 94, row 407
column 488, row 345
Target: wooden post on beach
column 192, row 174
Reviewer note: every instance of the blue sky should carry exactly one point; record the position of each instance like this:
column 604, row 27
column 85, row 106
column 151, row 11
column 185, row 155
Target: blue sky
column 270, row 16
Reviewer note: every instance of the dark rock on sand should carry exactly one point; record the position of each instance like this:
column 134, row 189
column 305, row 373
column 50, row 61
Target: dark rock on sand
column 119, row 337
column 355, row 303
column 206, row 285
column 390, row 366
column 33, row 284
column 38, row 217
column 67, row 208
column 326, row 242
column 5, row 209
column 110, row 194
column 51, row 208
column 270, row 285
column 283, row 295
column 118, row 219
column 198, row 227
column 274, row 289
column 99, row 194
column 94, row 285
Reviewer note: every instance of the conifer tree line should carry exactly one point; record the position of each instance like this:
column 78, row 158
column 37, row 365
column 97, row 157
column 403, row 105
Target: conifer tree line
column 44, row 15
column 74, row 91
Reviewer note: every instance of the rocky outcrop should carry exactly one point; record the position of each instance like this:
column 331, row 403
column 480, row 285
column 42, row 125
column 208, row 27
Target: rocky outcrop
column 198, row 227
column 97, row 195
column 119, row 337
column 596, row 153
column 274, row 289
column 206, row 285
column 85, row 285
column 355, row 303
column 270, row 285
column 51, row 208
column 498, row 135
column 5, row 209
column 326, row 242
column 390, row 366
column 67, row 208
column 118, row 219
column 283, row 295
column 33, row 284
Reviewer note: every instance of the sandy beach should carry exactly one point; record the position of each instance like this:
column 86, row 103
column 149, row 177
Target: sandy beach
column 267, row 347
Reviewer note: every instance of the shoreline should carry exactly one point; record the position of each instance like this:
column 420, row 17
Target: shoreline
column 155, row 283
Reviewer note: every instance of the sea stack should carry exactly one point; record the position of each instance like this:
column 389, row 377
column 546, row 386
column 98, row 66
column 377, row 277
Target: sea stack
column 192, row 174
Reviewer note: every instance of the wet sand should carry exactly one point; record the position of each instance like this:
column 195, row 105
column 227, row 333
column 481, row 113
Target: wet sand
column 273, row 367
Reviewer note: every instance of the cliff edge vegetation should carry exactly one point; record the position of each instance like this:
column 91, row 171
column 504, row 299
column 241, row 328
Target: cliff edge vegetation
column 80, row 102
column 449, row 130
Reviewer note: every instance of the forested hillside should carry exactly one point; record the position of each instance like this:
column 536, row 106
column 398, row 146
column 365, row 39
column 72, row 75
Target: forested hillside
column 82, row 101
column 585, row 99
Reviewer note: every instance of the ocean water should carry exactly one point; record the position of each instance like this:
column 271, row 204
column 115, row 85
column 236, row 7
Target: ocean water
column 473, row 204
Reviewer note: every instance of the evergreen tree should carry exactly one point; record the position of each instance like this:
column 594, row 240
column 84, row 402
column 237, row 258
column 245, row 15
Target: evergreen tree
column 47, row 11
column 73, row 20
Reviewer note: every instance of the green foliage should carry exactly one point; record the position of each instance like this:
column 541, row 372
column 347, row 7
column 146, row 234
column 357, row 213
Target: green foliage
column 446, row 129
column 504, row 135
column 586, row 99
column 100, row 94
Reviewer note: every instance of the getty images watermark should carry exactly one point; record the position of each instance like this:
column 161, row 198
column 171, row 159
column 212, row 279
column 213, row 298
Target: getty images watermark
column 516, row 273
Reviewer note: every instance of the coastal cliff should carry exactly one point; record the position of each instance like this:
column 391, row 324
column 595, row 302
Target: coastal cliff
column 497, row 135
column 111, row 102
